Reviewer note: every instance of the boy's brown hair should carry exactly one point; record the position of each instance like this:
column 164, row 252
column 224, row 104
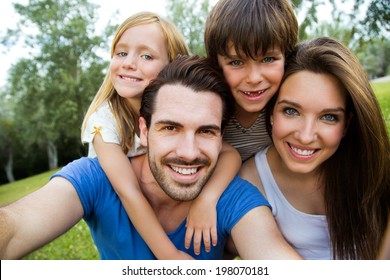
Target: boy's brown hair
column 250, row 26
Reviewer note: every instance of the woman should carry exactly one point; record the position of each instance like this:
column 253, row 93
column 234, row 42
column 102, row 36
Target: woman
column 327, row 173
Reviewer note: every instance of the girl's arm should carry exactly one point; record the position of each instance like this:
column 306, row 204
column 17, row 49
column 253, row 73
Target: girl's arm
column 124, row 181
column 202, row 217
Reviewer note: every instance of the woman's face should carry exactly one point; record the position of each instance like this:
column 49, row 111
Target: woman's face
column 308, row 120
column 139, row 55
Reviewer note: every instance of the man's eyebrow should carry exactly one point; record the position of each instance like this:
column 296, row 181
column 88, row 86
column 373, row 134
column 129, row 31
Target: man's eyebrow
column 177, row 124
column 168, row 122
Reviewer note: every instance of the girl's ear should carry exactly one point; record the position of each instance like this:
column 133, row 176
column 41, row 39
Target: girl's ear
column 143, row 132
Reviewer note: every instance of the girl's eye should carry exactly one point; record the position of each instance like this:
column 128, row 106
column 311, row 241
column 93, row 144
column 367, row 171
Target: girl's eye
column 290, row 112
column 330, row 118
column 269, row 59
column 121, row 54
column 147, row 57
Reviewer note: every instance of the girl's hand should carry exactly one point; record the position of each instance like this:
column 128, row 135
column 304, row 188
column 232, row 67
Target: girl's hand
column 201, row 223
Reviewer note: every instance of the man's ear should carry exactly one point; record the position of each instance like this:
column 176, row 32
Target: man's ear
column 143, row 132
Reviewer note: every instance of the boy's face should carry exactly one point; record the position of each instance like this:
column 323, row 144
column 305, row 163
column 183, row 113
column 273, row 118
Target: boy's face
column 253, row 82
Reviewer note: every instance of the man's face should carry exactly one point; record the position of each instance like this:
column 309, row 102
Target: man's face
column 184, row 140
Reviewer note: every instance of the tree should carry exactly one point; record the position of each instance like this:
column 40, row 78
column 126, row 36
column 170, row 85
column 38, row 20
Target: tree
column 54, row 86
column 190, row 18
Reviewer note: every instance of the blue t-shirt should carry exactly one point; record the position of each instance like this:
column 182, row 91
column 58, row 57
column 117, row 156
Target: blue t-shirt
column 114, row 234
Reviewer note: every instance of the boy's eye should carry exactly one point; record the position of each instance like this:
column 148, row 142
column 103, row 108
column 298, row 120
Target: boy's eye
column 268, row 59
column 236, row 63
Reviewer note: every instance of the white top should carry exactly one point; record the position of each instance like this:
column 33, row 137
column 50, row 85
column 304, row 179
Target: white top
column 308, row 234
column 103, row 121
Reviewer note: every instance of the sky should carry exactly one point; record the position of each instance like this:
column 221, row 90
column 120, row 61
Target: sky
column 9, row 18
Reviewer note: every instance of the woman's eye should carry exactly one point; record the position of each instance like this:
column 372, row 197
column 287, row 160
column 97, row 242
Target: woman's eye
column 290, row 111
column 330, row 118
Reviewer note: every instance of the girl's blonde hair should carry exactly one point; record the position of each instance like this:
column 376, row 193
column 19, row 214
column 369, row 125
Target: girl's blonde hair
column 124, row 113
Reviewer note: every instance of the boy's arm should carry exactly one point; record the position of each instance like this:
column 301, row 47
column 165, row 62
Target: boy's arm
column 119, row 171
column 202, row 218
column 38, row 218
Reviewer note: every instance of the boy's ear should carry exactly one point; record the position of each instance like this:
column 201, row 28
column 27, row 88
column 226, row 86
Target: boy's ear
column 143, row 132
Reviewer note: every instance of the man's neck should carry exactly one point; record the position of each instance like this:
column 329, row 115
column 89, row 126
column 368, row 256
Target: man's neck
column 169, row 212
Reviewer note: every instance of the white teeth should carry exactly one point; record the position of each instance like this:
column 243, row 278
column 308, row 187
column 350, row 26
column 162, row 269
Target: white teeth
column 184, row 171
column 129, row 79
column 249, row 93
column 303, row 152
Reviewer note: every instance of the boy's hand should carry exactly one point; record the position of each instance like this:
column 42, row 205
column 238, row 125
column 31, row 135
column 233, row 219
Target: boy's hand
column 201, row 223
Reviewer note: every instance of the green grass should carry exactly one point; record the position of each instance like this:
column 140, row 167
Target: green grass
column 382, row 91
column 77, row 243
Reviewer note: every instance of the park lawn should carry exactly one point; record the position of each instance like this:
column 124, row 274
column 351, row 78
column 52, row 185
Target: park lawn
column 77, row 243
column 382, row 91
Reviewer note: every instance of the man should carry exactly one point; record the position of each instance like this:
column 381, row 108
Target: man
column 183, row 114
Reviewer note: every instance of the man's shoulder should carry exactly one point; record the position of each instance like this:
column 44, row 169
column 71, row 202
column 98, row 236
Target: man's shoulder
column 240, row 189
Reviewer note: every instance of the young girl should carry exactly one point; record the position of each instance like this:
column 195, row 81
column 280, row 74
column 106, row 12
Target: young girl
column 143, row 44
column 327, row 174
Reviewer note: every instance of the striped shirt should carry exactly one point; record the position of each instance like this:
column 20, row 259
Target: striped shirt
column 247, row 141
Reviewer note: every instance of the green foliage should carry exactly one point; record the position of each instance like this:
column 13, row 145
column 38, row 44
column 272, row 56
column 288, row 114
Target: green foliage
column 190, row 17
column 53, row 87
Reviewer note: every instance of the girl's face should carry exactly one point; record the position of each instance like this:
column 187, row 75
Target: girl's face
column 253, row 82
column 309, row 120
column 139, row 55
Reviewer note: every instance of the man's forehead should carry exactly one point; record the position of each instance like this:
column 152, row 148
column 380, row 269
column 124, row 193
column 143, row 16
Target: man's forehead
column 178, row 101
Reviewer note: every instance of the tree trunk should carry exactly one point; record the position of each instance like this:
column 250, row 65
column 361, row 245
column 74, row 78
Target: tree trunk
column 9, row 167
column 52, row 155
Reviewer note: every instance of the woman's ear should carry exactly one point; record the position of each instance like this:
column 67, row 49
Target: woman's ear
column 143, row 132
